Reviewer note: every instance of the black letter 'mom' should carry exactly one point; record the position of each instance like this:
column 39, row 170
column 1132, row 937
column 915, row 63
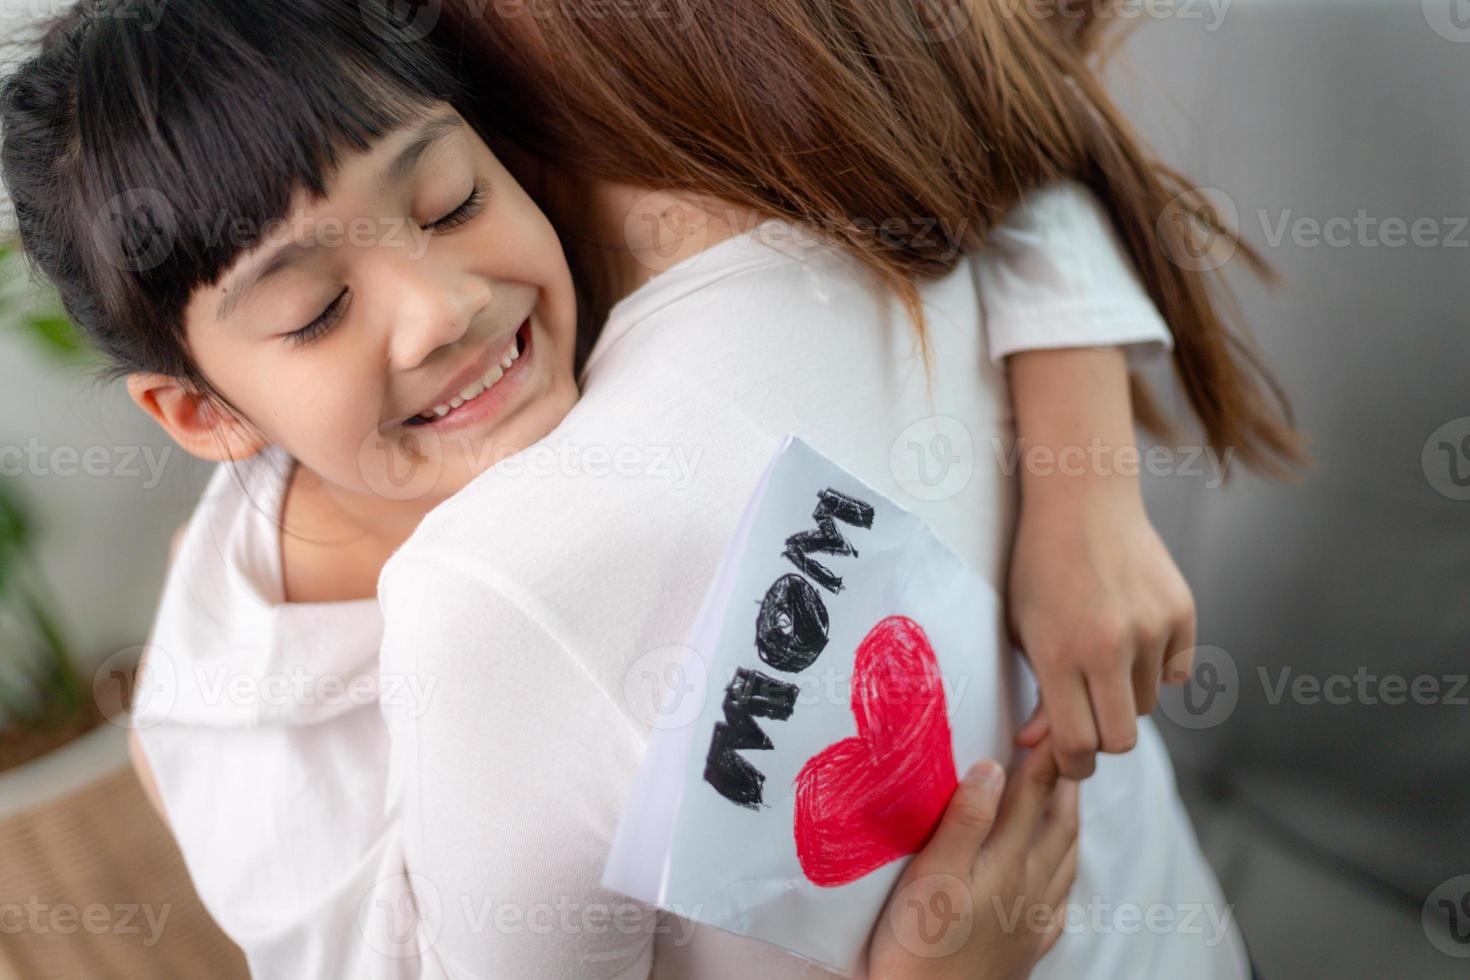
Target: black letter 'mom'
column 750, row 695
column 826, row 539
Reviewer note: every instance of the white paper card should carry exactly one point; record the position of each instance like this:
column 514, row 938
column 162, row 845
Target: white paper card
column 843, row 672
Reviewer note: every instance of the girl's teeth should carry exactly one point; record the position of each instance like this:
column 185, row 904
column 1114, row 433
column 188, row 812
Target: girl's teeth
column 475, row 390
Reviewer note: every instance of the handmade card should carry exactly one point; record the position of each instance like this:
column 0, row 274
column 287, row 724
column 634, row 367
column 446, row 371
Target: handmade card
column 844, row 670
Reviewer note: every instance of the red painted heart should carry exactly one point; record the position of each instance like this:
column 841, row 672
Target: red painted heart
column 876, row 797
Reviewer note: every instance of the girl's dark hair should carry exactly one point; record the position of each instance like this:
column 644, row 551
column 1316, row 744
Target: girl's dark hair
column 143, row 158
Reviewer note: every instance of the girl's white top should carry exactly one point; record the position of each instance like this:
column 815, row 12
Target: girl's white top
column 466, row 835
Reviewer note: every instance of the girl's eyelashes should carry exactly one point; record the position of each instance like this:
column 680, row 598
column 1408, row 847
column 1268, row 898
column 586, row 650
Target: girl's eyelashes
column 318, row 328
column 472, row 206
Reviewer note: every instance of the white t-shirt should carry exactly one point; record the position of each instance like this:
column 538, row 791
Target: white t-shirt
column 256, row 715
column 535, row 596
column 260, row 720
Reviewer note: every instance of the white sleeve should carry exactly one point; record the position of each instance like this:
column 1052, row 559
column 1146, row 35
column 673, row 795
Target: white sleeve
column 510, row 780
column 303, row 872
column 1054, row 274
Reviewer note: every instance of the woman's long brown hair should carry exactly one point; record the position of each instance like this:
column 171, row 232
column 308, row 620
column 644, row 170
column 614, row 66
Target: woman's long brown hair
column 846, row 114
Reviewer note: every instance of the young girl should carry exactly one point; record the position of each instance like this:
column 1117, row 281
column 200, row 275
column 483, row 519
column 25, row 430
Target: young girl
column 373, row 427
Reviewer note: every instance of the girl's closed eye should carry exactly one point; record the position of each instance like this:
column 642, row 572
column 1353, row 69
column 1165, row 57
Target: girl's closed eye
column 329, row 318
column 318, row 328
column 471, row 207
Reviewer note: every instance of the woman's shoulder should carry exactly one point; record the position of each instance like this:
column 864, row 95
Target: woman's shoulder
column 771, row 264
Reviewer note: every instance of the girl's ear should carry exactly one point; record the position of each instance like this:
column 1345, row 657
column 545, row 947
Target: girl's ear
column 200, row 426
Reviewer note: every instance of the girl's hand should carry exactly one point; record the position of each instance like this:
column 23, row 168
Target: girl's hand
column 1101, row 610
column 983, row 899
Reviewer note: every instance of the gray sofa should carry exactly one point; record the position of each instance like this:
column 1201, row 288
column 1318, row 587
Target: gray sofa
column 1333, row 815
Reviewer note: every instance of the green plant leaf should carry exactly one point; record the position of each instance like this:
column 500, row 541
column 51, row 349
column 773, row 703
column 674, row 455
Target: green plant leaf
column 15, row 525
column 56, row 333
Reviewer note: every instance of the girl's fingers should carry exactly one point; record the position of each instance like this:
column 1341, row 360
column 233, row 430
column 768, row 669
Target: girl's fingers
column 1146, row 675
column 1179, row 654
column 1117, row 718
column 1074, row 738
column 1035, row 729
column 968, row 819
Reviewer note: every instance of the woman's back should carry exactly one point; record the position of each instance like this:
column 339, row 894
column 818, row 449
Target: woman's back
column 547, row 586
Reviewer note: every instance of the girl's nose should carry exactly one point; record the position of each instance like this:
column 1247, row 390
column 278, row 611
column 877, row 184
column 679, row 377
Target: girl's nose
column 426, row 309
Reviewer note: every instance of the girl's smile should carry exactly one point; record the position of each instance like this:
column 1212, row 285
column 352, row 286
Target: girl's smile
column 479, row 392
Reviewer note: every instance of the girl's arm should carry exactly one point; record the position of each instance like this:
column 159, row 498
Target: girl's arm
column 1094, row 599
column 145, row 775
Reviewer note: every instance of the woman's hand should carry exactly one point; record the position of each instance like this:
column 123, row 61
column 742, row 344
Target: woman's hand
column 983, row 899
column 1101, row 611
